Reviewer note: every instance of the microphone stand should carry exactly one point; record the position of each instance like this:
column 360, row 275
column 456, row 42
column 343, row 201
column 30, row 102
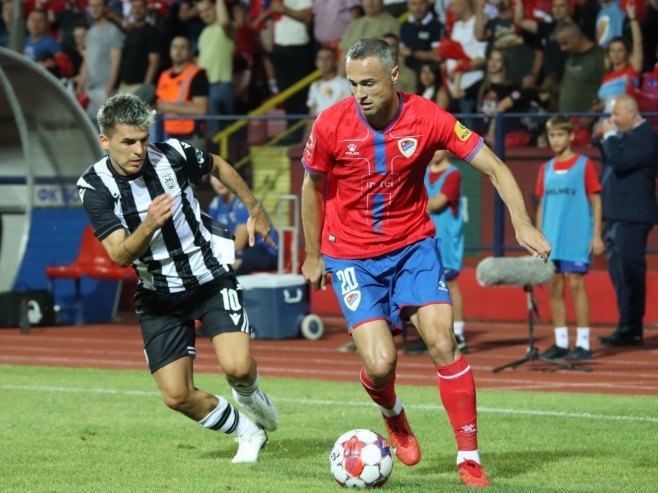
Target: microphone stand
column 532, row 354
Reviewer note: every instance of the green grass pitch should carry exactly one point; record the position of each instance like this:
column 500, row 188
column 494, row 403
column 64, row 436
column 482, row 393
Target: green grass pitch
column 92, row 431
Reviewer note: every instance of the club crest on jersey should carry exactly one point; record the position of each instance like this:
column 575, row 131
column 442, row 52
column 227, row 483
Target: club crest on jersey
column 407, row 146
column 352, row 300
column 168, row 180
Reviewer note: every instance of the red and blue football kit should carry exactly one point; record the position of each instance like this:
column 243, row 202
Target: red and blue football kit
column 377, row 238
column 376, row 197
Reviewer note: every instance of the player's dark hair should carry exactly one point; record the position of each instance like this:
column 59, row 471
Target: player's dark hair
column 373, row 47
column 559, row 122
column 124, row 108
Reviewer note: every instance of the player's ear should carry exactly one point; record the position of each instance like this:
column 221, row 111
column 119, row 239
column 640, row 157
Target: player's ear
column 104, row 141
column 395, row 73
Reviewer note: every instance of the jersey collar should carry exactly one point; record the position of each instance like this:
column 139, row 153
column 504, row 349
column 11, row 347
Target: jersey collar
column 393, row 121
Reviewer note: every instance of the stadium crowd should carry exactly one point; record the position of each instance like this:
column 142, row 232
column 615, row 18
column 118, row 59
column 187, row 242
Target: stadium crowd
column 477, row 58
column 469, row 56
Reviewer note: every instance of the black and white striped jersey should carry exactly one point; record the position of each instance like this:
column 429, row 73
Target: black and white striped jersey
column 182, row 254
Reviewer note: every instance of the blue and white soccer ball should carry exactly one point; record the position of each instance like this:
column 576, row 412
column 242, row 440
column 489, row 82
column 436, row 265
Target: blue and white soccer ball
column 361, row 459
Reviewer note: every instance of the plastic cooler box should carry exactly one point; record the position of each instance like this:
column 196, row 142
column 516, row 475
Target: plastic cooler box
column 276, row 304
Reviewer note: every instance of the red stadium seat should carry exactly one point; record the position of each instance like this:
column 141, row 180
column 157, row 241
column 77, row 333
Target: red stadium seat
column 92, row 261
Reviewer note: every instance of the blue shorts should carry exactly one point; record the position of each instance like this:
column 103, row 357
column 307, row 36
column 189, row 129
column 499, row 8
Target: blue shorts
column 380, row 288
column 566, row 266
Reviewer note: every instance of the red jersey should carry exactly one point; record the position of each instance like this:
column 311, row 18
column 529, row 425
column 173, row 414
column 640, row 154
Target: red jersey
column 592, row 184
column 451, row 188
column 375, row 196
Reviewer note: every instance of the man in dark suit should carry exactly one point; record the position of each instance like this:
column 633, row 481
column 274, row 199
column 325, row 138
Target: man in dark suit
column 630, row 157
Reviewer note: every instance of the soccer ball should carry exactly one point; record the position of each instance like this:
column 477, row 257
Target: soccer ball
column 361, row 459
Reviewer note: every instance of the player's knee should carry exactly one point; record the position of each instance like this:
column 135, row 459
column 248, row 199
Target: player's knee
column 380, row 370
column 177, row 399
column 238, row 370
column 443, row 346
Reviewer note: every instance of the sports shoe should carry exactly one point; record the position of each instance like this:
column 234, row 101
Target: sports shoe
column 260, row 408
column 249, row 446
column 461, row 344
column 555, row 352
column 402, row 439
column 415, row 348
column 472, row 474
column 579, row 353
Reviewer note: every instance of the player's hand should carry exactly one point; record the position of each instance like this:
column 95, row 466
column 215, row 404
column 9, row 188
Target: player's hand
column 259, row 223
column 160, row 211
column 596, row 246
column 313, row 271
column 534, row 241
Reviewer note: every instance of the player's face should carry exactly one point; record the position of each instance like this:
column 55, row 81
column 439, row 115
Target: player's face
column 559, row 140
column 374, row 88
column 127, row 148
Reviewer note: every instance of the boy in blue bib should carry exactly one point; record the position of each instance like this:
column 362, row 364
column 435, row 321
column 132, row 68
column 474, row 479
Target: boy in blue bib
column 569, row 215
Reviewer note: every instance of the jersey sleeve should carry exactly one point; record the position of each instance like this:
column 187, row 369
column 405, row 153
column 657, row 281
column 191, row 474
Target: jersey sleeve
column 539, row 187
column 317, row 156
column 99, row 206
column 455, row 137
column 592, row 184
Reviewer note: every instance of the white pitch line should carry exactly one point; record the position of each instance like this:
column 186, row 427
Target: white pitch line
column 342, row 404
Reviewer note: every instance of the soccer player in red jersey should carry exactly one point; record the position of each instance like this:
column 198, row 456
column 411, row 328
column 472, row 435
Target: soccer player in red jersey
column 363, row 210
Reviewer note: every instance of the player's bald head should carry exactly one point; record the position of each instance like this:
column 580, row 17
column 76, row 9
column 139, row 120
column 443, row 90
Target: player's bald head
column 373, row 47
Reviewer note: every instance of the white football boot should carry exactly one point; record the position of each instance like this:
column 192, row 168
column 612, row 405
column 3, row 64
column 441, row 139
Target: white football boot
column 260, row 408
column 249, row 446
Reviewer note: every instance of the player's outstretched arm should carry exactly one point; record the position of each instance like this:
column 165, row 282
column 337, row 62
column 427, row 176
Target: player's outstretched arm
column 258, row 221
column 313, row 205
column 502, row 178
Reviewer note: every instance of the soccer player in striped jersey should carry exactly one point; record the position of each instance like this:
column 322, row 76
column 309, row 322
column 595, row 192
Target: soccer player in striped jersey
column 143, row 210
column 365, row 222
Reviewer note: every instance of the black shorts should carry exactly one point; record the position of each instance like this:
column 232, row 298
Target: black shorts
column 167, row 320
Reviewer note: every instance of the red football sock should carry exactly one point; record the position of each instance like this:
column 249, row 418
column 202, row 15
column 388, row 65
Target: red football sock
column 457, row 389
column 384, row 396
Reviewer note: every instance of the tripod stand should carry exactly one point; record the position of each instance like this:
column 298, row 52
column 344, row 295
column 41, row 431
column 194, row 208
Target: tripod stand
column 532, row 354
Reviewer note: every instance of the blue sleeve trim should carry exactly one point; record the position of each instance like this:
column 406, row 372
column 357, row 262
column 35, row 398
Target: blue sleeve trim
column 311, row 170
column 475, row 150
